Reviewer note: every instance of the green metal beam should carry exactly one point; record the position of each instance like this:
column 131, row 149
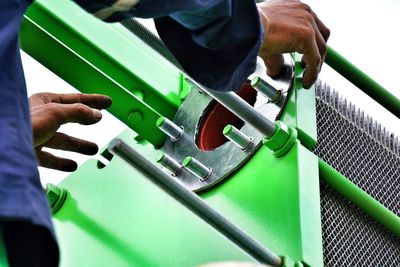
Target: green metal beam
column 360, row 198
column 96, row 57
column 363, row 81
column 300, row 111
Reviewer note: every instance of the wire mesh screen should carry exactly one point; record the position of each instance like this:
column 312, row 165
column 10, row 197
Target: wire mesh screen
column 362, row 150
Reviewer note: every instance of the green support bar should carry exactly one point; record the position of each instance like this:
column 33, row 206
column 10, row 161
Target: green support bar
column 106, row 58
column 360, row 198
column 363, row 81
column 345, row 187
column 109, row 59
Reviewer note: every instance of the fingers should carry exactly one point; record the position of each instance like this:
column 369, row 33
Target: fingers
column 313, row 61
column 64, row 142
column 50, row 161
column 321, row 44
column 314, row 51
column 69, row 143
column 92, row 100
column 78, row 113
column 274, row 64
column 325, row 32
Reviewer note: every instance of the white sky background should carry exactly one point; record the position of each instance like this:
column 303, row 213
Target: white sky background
column 365, row 32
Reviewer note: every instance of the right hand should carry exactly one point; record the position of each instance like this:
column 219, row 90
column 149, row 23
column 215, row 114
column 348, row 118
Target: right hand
column 291, row 26
column 50, row 111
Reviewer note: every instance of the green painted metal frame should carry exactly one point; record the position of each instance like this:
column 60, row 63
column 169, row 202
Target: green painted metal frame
column 96, row 57
column 363, row 81
column 275, row 199
column 121, row 219
column 361, row 199
column 120, row 201
column 300, row 111
column 67, row 37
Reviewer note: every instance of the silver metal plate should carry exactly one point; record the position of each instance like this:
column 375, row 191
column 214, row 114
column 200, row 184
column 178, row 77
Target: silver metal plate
column 228, row 157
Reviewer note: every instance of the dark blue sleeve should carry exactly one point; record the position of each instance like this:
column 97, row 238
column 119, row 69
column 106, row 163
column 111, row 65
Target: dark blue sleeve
column 25, row 222
column 215, row 41
column 218, row 47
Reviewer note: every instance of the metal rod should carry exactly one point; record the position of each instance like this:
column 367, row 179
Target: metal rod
column 197, row 168
column 266, row 89
column 243, row 110
column 152, row 40
column 363, row 81
column 169, row 128
column 360, row 198
column 237, row 137
column 195, row 204
column 170, row 164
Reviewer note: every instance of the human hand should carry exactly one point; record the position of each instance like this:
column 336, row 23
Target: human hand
column 291, row 26
column 49, row 111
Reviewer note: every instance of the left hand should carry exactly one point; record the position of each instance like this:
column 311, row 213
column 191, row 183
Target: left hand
column 49, row 111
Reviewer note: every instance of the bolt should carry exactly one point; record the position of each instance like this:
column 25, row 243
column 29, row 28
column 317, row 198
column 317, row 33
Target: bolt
column 237, row 137
column 135, row 117
column 169, row 128
column 197, row 168
column 170, row 164
column 138, row 94
column 266, row 89
column 56, row 197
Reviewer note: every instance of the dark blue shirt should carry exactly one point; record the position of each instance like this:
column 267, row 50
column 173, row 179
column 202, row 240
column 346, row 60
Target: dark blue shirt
column 21, row 194
column 215, row 41
column 24, row 213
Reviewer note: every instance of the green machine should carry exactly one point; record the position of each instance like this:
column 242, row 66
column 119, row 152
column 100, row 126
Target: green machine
column 201, row 176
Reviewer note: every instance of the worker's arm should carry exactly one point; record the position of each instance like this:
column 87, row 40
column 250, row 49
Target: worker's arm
column 217, row 41
column 49, row 111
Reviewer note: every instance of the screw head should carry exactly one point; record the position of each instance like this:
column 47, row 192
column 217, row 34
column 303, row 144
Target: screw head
column 135, row 117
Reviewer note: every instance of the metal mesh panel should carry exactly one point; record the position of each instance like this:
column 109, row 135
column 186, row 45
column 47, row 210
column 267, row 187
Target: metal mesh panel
column 368, row 155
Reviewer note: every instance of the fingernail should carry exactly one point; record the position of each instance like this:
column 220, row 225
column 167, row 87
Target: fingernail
column 97, row 114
